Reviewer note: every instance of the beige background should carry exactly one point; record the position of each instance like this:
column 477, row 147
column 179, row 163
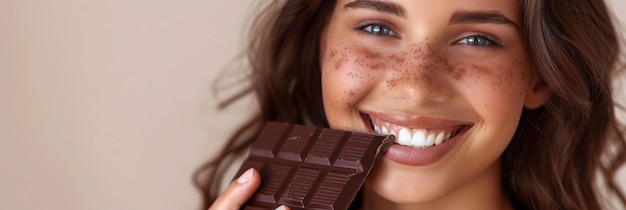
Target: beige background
column 107, row 104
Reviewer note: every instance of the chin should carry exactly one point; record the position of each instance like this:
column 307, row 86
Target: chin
column 403, row 185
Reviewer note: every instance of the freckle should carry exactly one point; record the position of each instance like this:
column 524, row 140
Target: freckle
column 338, row 64
column 459, row 73
column 333, row 53
column 391, row 83
column 376, row 66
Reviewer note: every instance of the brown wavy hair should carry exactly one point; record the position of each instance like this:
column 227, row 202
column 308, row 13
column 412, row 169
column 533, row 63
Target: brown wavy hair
column 559, row 153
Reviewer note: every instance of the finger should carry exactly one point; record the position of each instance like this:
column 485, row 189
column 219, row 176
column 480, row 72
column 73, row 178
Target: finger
column 238, row 192
column 282, row 207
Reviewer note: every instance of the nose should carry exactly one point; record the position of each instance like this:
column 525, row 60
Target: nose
column 419, row 76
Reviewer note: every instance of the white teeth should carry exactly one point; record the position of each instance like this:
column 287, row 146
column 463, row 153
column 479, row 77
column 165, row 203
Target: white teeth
column 430, row 140
column 394, row 133
column 419, row 138
column 439, row 138
column 404, row 137
column 413, row 137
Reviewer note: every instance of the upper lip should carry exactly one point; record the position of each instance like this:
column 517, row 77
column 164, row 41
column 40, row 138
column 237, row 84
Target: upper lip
column 415, row 121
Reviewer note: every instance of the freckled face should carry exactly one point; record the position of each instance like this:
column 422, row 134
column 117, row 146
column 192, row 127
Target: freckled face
column 451, row 66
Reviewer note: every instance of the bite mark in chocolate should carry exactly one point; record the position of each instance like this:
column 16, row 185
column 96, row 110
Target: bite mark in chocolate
column 305, row 167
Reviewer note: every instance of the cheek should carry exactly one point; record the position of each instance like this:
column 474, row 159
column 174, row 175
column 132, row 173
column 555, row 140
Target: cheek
column 495, row 88
column 348, row 74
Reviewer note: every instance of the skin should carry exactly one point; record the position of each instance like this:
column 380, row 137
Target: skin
column 239, row 191
column 426, row 68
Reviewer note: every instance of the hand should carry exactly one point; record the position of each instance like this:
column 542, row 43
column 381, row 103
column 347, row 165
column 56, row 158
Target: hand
column 239, row 191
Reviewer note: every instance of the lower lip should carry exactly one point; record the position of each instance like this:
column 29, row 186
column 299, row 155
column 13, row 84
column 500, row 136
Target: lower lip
column 420, row 157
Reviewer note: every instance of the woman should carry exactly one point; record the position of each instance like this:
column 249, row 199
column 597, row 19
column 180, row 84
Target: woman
column 495, row 104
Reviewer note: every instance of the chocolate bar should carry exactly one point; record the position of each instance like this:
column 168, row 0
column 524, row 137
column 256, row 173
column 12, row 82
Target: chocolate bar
column 305, row 167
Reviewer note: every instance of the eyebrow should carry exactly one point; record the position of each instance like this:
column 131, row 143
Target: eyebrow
column 482, row 17
column 378, row 5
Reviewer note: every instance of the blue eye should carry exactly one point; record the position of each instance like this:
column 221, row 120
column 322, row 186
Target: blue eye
column 377, row 29
column 477, row 40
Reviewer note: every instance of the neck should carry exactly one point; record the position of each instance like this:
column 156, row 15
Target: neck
column 484, row 192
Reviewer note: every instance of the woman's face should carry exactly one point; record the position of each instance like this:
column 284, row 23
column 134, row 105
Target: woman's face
column 448, row 78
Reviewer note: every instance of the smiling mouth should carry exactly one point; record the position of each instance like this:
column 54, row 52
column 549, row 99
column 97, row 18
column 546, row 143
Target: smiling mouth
column 419, row 138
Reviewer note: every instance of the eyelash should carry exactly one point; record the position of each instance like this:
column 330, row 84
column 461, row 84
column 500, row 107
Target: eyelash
column 377, row 29
column 476, row 40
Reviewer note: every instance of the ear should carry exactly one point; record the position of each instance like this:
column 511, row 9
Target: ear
column 538, row 94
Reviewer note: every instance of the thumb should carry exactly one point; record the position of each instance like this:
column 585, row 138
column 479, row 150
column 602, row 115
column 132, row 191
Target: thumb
column 238, row 192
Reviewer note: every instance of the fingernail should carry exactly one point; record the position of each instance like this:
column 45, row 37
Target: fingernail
column 282, row 207
column 245, row 177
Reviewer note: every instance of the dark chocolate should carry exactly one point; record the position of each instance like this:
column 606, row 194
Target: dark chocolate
column 305, row 167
